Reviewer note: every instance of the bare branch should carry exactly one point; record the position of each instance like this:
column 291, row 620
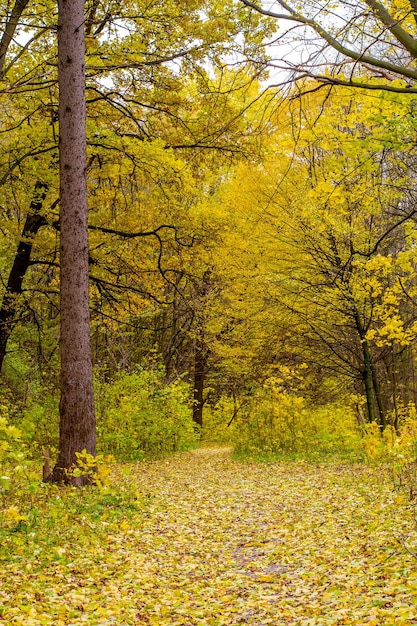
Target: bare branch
column 401, row 539
column 139, row 64
column 414, row 7
column 360, row 56
column 128, row 235
column 23, row 49
column 384, row 236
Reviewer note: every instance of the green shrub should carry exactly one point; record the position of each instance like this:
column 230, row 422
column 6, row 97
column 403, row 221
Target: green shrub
column 140, row 416
column 18, row 475
column 39, row 422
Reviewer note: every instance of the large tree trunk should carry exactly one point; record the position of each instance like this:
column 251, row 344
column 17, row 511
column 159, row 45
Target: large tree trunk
column 77, row 416
column 10, row 304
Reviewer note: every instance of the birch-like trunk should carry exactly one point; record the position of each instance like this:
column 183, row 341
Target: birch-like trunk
column 77, row 416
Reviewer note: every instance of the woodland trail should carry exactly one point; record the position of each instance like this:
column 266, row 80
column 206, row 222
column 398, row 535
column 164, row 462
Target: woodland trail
column 219, row 542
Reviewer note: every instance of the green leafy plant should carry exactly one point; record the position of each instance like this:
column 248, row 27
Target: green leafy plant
column 140, row 416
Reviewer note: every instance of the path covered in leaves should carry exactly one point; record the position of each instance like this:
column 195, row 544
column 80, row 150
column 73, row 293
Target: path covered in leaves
column 203, row 539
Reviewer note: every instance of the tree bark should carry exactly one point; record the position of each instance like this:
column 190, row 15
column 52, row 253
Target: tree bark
column 9, row 306
column 200, row 355
column 367, row 380
column 367, row 369
column 77, row 415
column 200, row 370
column 377, row 392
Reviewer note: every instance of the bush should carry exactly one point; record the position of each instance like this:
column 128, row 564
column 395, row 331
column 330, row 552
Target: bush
column 18, row 475
column 279, row 422
column 219, row 425
column 140, row 416
column 397, row 449
column 39, row 422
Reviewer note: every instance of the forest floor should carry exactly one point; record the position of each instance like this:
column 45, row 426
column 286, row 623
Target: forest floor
column 199, row 538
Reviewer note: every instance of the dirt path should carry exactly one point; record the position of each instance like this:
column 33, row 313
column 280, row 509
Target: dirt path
column 233, row 543
column 219, row 542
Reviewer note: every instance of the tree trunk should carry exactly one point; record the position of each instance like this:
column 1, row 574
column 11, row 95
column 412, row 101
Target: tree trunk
column 395, row 398
column 9, row 30
column 200, row 354
column 377, row 391
column 367, row 379
column 200, row 368
column 10, row 304
column 367, row 369
column 77, row 416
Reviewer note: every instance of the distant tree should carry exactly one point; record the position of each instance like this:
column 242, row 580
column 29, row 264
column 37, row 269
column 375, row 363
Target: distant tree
column 10, row 305
column 336, row 221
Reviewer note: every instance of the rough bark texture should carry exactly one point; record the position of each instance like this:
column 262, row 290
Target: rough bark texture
column 77, row 416
column 10, row 304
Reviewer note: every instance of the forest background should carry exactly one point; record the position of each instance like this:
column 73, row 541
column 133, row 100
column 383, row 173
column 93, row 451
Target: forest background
column 251, row 246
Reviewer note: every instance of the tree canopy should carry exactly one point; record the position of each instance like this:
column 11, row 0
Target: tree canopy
column 243, row 239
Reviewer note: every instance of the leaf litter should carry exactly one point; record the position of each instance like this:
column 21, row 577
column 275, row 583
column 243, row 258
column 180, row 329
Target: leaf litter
column 199, row 538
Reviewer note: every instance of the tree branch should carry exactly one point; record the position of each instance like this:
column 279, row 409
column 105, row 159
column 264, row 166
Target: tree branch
column 10, row 29
column 361, row 57
column 414, row 7
column 401, row 539
column 331, row 80
column 145, row 233
column 140, row 64
column 394, row 27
